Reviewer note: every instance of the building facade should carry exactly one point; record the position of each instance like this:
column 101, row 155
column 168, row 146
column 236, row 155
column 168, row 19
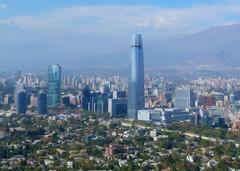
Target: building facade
column 86, row 98
column 117, row 107
column 175, row 115
column 42, row 102
column 102, row 103
column 54, row 85
column 21, row 103
column 136, row 99
column 149, row 115
column 184, row 98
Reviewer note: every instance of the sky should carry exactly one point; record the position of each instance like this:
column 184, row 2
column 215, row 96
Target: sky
column 79, row 31
column 29, row 7
column 121, row 16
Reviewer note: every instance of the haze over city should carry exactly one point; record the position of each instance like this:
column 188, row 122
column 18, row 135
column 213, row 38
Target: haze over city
column 96, row 34
column 140, row 85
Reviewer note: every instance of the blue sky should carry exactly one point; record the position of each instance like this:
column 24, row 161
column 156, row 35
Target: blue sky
column 32, row 7
column 122, row 16
column 53, row 29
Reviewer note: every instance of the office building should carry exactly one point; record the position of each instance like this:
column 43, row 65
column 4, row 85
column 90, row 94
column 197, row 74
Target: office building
column 102, row 103
column 42, row 103
column 232, row 98
column 21, row 103
column 73, row 100
column 136, row 99
column 54, row 85
column 206, row 100
column 19, row 88
column 92, row 105
column 168, row 96
column 195, row 119
column 218, row 96
column 86, row 98
column 119, row 94
column 117, row 107
column 236, row 94
column 184, row 98
column 149, row 115
column 104, row 89
column 175, row 115
column 8, row 99
column 205, row 118
column 66, row 100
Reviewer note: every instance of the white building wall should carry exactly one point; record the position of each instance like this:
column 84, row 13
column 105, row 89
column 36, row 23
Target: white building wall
column 144, row 115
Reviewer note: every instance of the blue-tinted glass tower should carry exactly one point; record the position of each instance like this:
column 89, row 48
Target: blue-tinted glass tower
column 93, row 101
column 66, row 101
column 54, row 85
column 136, row 99
column 102, row 103
column 42, row 102
column 21, row 102
column 86, row 98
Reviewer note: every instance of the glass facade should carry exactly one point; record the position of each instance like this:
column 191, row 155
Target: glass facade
column 136, row 80
column 22, row 102
column 102, row 103
column 54, row 85
column 184, row 98
column 86, row 98
column 42, row 103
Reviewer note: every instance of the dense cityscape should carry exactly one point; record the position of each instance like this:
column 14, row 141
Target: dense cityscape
column 74, row 122
column 123, row 85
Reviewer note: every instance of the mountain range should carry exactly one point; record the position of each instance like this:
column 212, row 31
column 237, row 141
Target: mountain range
column 214, row 48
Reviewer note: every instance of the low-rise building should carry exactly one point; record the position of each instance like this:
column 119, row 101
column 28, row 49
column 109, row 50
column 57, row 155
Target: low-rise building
column 175, row 115
column 149, row 115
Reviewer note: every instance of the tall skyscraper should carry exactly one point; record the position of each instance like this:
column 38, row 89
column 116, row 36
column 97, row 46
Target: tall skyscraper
column 93, row 101
column 54, row 85
column 21, row 102
column 42, row 103
column 86, row 98
column 19, row 88
column 136, row 80
column 102, row 103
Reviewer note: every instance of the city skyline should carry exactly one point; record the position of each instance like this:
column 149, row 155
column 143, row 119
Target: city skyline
column 120, row 85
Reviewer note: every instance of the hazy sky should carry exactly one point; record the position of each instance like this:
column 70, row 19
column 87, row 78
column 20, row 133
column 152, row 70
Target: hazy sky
column 36, row 33
column 120, row 16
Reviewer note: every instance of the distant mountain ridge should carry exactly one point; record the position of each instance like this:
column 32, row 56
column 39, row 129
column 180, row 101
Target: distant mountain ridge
column 25, row 48
column 218, row 46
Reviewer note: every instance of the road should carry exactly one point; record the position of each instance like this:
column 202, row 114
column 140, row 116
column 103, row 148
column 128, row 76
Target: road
column 193, row 135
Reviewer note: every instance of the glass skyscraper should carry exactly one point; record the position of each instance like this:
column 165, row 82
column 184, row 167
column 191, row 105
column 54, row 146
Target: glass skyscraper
column 42, row 102
column 86, row 98
column 54, row 85
column 21, row 102
column 136, row 99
